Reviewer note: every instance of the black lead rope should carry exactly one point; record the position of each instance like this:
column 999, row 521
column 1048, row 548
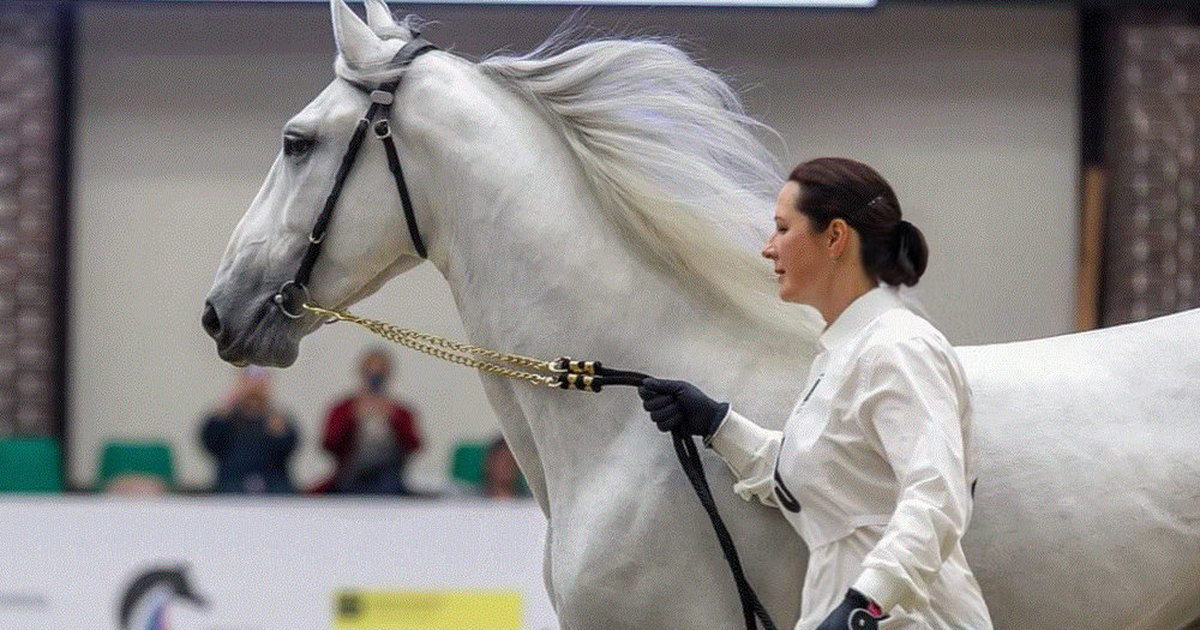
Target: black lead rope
column 593, row 376
column 689, row 459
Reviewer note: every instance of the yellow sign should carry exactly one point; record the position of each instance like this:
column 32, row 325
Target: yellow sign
column 428, row 610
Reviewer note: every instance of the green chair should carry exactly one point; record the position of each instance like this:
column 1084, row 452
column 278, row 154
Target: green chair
column 149, row 458
column 466, row 466
column 30, row 464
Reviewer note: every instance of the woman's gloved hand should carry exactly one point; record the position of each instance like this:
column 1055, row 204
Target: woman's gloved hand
column 856, row 612
column 679, row 404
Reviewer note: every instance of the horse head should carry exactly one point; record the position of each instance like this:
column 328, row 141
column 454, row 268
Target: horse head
column 597, row 171
column 368, row 239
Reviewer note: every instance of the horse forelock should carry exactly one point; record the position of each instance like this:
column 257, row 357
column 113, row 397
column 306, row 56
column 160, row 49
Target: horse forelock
column 675, row 162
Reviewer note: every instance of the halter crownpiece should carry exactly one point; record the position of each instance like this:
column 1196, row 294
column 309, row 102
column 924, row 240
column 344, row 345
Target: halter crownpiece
column 382, row 97
column 293, row 296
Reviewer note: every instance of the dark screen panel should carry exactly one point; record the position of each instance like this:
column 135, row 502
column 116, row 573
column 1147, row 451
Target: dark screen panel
column 32, row 198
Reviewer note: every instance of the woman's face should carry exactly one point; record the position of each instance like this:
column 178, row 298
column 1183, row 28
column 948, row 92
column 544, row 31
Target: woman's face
column 799, row 253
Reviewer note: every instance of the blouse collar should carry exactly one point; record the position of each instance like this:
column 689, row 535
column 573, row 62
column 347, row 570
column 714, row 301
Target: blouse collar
column 862, row 311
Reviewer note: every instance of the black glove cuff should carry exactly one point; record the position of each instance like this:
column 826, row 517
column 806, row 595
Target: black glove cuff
column 858, row 599
column 862, row 601
column 715, row 421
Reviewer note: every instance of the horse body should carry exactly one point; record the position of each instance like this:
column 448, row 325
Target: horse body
column 1089, row 476
column 1086, row 512
column 1060, row 423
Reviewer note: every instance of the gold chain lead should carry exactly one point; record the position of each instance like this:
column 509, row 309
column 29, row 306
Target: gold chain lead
column 453, row 351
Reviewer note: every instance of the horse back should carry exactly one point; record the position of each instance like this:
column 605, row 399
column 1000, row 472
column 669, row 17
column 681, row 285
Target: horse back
column 1087, row 448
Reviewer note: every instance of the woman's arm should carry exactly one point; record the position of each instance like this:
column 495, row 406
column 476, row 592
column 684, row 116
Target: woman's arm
column 338, row 428
column 281, row 435
column 213, row 435
column 912, row 404
column 750, row 452
column 405, row 428
column 748, row 449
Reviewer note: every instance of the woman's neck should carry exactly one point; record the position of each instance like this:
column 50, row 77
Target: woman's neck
column 844, row 289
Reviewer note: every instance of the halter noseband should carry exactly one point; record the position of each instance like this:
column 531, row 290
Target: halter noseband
column 293, row 294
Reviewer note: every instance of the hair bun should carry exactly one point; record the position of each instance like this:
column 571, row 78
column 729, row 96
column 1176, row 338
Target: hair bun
column 905, row 233
column 911, row 256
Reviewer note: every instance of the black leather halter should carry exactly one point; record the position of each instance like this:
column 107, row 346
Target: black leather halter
column 293, row 295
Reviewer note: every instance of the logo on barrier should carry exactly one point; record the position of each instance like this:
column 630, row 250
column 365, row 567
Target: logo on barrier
column 23, row 601
column 428, row 610
column 151, row 595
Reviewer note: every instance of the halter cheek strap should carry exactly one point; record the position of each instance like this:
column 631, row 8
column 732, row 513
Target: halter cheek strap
column 293, row 295
column 383, row 132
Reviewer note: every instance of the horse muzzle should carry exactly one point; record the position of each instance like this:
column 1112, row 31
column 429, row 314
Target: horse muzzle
column 246, row 334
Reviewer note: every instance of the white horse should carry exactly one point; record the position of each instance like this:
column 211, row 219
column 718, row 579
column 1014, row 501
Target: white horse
column 608, row 201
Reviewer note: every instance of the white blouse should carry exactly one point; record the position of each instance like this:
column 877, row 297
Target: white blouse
column 873, row 469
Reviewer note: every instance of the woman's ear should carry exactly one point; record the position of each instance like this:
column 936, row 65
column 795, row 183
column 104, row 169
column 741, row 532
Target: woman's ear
column 837, row 238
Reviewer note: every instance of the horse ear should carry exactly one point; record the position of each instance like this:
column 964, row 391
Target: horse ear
column 356, row 42
column 379, row 17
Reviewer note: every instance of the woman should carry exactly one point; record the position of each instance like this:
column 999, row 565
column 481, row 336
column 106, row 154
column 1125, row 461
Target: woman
column 501, row 477
column 251, row 439
column 371, row 435
column 873, row 467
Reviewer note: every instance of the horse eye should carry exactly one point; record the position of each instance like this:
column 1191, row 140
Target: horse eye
column 295, row 146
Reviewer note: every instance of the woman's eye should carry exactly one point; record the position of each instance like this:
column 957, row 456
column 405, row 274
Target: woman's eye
column 295, row 146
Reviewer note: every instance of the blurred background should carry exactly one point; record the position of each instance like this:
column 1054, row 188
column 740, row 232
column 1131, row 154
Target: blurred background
column 1047, row 149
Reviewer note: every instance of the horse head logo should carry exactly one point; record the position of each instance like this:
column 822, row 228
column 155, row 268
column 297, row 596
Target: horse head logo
column 150, row 596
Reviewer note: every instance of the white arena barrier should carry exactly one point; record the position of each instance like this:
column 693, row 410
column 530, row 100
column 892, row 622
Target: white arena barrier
column 300, row 563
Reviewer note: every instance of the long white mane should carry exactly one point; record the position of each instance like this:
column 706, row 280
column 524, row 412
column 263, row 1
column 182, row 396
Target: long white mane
column 673, row 159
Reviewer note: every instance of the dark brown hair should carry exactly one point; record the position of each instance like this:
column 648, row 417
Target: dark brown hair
column 893, row 250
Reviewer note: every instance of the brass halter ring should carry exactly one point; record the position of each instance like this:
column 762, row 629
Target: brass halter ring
column 287, row 292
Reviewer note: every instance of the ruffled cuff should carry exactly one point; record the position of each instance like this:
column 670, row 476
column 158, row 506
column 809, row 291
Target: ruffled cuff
column 739, row 442
column 880, row 587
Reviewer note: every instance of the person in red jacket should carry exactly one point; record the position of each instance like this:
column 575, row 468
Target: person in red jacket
column 370, row 434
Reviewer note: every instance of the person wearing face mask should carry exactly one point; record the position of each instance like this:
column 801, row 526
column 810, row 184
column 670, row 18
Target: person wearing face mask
column 370, row 434
column 250, row 439
column 874, row 467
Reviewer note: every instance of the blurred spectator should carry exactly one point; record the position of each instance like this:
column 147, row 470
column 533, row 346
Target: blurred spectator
column 370, row 434
column 501, row 477
column 251, row 440
column 136, row 485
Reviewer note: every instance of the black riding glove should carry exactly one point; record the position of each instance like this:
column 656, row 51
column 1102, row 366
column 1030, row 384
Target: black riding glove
column 681, row 405
column 856, row 612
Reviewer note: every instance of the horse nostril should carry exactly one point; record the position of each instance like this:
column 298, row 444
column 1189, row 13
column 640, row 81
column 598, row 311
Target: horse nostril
column 210, row 320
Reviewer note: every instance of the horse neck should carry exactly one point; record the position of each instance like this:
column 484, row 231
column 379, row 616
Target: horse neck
column 514, row 226
column 537, row 269
column 570, row 287
column 578, row 292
